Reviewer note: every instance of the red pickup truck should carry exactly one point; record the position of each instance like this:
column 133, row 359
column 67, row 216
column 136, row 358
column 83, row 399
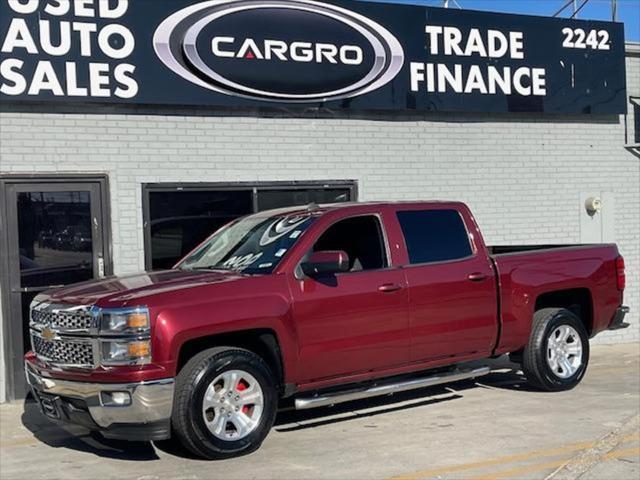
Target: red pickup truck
column 325, row 304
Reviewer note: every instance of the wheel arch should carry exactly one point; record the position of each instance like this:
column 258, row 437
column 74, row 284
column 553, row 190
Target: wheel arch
column 261, row 341
column 579, row 301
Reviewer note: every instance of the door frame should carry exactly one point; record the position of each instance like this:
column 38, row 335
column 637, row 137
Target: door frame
column 15, row 387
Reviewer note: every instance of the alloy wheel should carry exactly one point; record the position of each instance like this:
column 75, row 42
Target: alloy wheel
column 232, row 405
column 564, row 351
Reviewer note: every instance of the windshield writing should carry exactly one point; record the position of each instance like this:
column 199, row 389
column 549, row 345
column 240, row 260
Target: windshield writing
column 254, row 244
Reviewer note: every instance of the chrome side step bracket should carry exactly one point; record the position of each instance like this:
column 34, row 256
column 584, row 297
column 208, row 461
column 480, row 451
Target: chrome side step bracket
column 304, row 403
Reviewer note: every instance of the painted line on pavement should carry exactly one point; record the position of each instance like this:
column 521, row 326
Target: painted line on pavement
column 547, row 465
column 576, row 447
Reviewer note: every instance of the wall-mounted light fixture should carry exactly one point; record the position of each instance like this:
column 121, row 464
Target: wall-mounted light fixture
column 593, row 205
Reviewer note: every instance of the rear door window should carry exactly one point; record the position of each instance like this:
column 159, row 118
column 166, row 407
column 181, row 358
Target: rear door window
column 434, row 235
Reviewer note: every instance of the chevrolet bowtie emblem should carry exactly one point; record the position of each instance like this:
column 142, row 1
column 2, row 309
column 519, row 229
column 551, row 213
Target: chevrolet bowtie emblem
column 48, row 334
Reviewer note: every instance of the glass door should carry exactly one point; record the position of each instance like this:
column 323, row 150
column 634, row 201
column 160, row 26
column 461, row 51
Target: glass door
column 55, row 237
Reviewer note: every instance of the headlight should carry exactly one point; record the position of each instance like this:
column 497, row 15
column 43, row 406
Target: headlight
column 124, row 336
column 123, row 321
column 126, row 352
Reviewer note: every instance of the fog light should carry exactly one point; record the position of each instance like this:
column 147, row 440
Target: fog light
column 115, row 399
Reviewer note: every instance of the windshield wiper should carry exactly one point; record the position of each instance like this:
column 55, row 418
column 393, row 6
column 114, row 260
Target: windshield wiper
column 215, row 267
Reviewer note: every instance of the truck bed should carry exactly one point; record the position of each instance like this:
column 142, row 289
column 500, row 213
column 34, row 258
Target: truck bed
column 527, row 272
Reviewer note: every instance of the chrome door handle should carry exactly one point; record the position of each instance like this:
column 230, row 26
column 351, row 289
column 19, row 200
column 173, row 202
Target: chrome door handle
column 389, row 287
column 476, row 276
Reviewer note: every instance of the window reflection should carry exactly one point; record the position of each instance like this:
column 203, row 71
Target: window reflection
column 181, row 220
column 268, row 199
column 54, row 235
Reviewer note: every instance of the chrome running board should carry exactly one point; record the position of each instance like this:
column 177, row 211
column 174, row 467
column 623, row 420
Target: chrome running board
column 388, row 389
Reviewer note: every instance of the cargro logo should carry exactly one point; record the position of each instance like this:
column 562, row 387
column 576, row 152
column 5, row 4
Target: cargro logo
column 280, row 50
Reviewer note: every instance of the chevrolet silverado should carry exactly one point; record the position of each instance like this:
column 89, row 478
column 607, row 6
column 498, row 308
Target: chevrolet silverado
column 320, row 304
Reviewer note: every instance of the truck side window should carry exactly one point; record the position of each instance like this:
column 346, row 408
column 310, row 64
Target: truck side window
column 434, row 235
column 361, row 238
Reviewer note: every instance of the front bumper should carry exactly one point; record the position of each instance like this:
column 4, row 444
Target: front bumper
column 147, row 417
column 618, row 319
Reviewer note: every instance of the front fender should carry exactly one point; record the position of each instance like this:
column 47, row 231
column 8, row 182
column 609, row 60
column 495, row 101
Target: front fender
column 177, row 325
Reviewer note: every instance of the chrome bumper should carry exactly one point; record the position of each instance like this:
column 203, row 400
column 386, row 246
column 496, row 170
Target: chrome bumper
column 151, row 402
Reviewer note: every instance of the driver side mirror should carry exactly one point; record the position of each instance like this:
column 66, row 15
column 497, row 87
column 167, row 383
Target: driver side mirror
column 325, row 263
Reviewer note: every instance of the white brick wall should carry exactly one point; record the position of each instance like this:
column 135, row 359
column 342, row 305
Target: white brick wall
column 521, row 174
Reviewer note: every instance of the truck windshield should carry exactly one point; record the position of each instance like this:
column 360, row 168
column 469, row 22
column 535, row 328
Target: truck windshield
column 253, row 245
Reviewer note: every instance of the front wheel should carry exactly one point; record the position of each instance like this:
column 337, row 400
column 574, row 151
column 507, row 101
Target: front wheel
column 557, row 354
column 225, row 403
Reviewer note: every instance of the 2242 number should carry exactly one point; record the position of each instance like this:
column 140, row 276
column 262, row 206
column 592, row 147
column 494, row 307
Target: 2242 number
column 578, row 38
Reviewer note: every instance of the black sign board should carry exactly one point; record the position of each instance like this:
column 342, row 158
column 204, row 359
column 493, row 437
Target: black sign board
column 307, row 54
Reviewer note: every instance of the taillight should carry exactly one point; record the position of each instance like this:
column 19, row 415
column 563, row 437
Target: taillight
column 620, row 278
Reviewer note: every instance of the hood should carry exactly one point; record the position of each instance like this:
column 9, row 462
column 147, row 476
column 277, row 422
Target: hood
column 129, row 288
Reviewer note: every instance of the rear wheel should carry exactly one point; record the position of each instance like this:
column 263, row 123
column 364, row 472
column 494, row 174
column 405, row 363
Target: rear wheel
column 225, row 403
column 557, row 354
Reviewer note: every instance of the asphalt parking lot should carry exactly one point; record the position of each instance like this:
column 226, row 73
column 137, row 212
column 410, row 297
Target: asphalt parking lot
column 493, row 428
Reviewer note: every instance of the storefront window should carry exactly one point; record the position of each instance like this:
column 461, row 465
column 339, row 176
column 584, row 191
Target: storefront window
column 180, row 220
column 268, row 199
column 54, row 234
column 180, row 217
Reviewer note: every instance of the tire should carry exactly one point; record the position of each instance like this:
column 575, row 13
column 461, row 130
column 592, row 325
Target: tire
column 200, row 406
column 547, row 364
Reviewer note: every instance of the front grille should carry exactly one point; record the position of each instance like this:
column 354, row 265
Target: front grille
column 63, row 352
column 60, row 318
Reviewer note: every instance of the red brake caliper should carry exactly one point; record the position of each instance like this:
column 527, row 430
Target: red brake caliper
column 242, row 385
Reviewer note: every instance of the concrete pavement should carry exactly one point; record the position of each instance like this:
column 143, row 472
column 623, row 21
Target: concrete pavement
column 492, row 428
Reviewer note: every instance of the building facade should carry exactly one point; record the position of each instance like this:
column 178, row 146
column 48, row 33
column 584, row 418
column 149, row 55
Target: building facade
column 139, row 184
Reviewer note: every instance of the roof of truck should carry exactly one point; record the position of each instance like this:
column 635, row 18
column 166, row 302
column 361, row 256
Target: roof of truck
column 326, row 207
